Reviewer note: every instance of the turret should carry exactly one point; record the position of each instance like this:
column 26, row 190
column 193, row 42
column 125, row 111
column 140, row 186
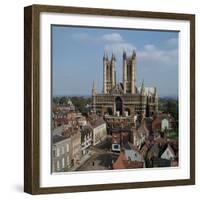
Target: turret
column 142, row 90
column 94, row 97
column 133, row 54
column 124, row 71
column 113, row 57
column 93, row 89
column 133, row 74
column 124, row 55
column 113, row 63
column 156, row 98
column 105, row 61
column 105, row 56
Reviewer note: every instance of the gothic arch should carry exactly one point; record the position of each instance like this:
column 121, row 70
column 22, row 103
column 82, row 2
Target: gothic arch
column 119, row 105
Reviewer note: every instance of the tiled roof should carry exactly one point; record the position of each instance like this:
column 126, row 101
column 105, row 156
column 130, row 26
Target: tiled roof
column 123, row 163
column 133, row 164
column 96, row 122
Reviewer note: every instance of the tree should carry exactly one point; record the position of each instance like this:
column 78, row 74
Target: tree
column 63, row 100
column 56, row 100
column 169, row 106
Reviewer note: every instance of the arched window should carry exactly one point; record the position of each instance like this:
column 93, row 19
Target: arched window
column 119, row 105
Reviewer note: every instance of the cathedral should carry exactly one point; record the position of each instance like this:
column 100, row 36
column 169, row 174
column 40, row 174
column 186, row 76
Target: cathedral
column 124, row 98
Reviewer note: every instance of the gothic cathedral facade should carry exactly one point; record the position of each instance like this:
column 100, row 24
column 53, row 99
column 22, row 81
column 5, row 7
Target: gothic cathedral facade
column 125, row 98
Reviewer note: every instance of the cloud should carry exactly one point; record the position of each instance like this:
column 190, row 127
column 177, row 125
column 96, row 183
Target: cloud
column 172, row 42
column 151, row 53
column 115, row 43
column 113, row 38
column 106, row 38
column 112, row 42
column 118, row 48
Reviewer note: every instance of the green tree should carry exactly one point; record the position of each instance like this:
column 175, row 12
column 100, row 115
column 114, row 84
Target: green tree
column 56, row 100
column 63, row 100
column 169, row 106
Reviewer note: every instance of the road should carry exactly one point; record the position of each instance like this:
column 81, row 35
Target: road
column 102, row 158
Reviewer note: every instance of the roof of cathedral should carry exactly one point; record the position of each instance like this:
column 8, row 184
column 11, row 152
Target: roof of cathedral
column 148, row 90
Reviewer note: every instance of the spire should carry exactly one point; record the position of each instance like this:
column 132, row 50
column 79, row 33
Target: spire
column 93, row 88
column 94, row 85
column 134, row 54
column 124, row 54
column 155, row 92
column 94, row 97
column 142, row 88
column 105, row 56
column 113, row 57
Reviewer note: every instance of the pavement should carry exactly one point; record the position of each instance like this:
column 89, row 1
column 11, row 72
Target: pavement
column 101, row 158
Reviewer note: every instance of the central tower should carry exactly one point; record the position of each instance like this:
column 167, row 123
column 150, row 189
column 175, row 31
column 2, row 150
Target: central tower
column 129, row 73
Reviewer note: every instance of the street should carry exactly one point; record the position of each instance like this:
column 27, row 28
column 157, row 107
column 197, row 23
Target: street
column 102, row 158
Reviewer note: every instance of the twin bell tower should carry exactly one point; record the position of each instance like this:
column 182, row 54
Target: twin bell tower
column 129, row 73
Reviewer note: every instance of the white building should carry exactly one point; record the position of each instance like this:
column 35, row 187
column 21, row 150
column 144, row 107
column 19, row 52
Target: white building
column 99, row 131
column 164, row 124
column 168, row 154
column 61, row 153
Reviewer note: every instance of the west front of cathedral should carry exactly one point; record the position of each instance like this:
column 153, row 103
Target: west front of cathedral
column 124, row 98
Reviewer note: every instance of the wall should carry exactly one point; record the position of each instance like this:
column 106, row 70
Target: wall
column 11, row 101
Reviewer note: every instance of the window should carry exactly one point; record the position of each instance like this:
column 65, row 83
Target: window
column 63, row 162
column 67, row 147
column 67, row 160
column 54, row 153
column 167, row 153
column 58, row 165
column 63, row 149
column 116, row 146
column 57, row 152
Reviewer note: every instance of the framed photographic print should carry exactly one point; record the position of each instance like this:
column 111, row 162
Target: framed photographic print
column 109, row 99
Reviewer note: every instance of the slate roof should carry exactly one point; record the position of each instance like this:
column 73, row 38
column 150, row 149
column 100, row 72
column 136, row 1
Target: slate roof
column 132, row 155
column 153, row 151
column 159, row 162
column 58, row 138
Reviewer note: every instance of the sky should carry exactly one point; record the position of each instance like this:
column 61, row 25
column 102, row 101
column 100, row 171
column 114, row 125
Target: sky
column 77, row 58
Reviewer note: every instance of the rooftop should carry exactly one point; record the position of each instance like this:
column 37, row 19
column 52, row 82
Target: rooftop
column 58, row 138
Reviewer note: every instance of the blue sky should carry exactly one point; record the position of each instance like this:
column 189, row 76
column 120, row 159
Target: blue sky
column 77, row 54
